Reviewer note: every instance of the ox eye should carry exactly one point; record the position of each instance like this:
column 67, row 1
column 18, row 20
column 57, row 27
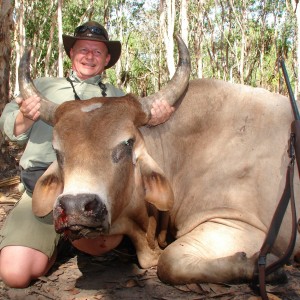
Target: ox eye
column 129, row 143
column 123, row 150
column 59, row 157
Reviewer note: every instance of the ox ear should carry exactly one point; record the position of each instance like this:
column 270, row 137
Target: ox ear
column 158, row 190
column 47, row 189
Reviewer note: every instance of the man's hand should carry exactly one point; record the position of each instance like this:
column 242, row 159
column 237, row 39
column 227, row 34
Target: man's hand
column 29, row 113
column 30, row 107
column 160, row 112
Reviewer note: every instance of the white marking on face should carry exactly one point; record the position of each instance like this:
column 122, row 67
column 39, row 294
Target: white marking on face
column 91, row 107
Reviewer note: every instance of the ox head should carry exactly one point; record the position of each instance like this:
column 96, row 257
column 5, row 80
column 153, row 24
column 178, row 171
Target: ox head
column 102, row 167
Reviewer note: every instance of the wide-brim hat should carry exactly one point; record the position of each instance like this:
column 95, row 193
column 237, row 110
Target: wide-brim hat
column 93, row 31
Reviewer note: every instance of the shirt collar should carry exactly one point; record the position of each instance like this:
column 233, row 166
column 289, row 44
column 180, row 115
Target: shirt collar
column 93, row 80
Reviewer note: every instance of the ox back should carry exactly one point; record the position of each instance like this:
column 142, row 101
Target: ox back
column 225, row 151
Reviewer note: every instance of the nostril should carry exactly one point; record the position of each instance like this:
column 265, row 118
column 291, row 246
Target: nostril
column 91, row 206
column 62, row 206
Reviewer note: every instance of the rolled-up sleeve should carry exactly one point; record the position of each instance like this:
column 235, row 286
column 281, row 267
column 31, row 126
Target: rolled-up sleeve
column 7, row 123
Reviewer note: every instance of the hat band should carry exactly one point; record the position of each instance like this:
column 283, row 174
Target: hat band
column 93, row 29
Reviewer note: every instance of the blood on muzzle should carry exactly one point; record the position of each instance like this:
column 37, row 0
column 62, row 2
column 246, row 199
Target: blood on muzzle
column 82, row 210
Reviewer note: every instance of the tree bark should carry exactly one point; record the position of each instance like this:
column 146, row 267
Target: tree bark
column 297, row 11
column 60, row 41
column 19, row 34
column 49, row 50
column 6, row 25
column 184, row 21
column 197, row 35
column 240, row 19
column 167, row 22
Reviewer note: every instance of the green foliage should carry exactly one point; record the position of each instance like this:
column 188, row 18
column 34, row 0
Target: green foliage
column 239, row 43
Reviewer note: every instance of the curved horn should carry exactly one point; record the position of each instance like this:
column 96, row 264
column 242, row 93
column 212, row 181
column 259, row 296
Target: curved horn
column 177, row 85
column 28, row 89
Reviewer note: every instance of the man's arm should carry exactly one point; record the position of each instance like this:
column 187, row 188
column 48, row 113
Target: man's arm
column 29, row 113
column 161, row 111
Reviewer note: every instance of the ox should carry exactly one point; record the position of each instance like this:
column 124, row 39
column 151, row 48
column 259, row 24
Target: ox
column 210, row 177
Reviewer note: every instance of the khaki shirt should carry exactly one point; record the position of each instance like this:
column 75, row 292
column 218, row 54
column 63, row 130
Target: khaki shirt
column 39, row 151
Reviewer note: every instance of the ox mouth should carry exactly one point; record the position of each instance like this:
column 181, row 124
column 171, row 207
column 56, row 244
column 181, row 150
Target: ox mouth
column 75, row 232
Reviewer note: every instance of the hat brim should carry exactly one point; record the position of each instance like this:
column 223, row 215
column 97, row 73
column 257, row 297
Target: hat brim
column 114, row 47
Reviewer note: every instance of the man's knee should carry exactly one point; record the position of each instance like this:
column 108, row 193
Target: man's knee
column 20, row 265
column 14, row 278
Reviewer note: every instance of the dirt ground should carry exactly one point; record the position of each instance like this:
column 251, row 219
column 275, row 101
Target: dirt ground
column 117, row 274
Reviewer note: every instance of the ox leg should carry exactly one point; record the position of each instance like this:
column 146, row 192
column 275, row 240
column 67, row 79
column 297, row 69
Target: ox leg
column 147, row 253
column 212, row 252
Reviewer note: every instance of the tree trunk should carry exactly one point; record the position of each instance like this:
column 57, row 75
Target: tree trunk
column 297, row 85
column 184, row 22
column 6, row 24
column 60, row 41
column 19, row 38
column 197, row 35
column 5, row 50
column 49, row 50
column 125, row 54
column 167, row 21
column 240, row 19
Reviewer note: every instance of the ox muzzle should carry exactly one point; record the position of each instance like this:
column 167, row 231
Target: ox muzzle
column 80, row 215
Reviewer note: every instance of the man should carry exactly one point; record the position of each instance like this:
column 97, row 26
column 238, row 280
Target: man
column 28, row 243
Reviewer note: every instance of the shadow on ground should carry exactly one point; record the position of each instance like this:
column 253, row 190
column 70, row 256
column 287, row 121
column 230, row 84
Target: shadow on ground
column 118, row 276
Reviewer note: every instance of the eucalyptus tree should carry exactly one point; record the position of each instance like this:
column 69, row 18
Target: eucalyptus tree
column 5, row 49
column 34, row 20
column 234, row 40
column 296, row 11
column 241, row 40
column 167, row 25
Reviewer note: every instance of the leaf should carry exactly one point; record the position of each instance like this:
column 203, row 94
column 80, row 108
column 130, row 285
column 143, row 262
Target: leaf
column 195, row 288
column 132, row 283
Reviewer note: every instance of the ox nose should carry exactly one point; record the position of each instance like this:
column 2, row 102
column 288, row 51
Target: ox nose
column 82, row 209
column 82, row 203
